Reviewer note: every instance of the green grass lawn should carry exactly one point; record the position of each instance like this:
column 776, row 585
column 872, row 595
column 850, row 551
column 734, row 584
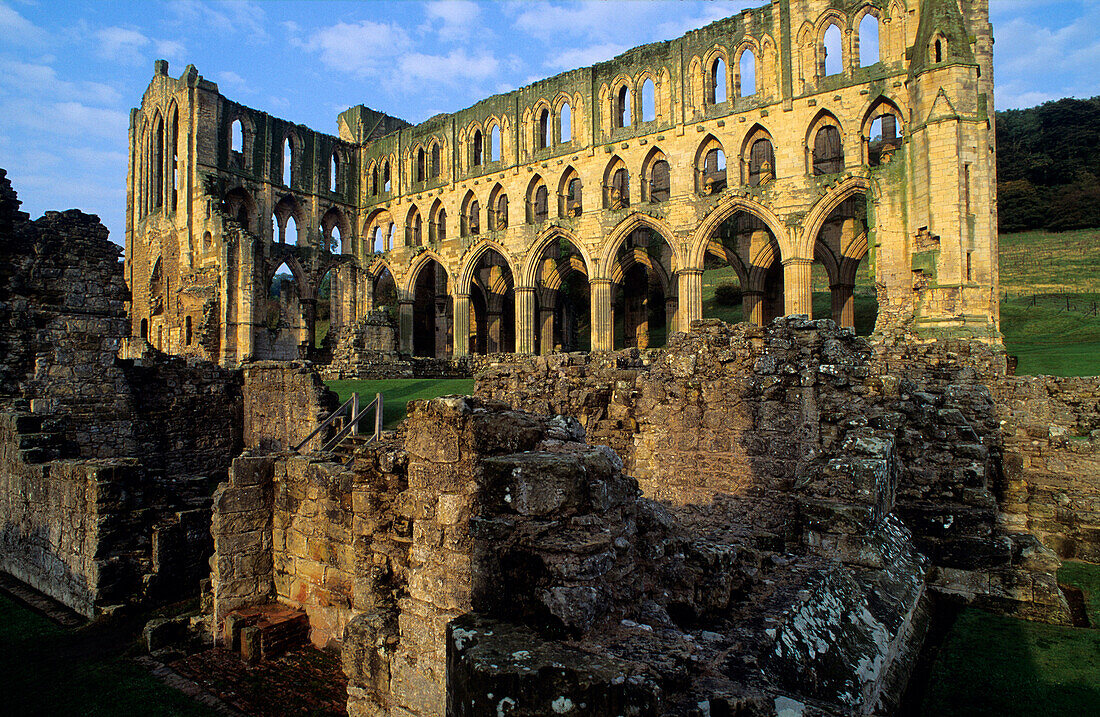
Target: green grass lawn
column 1053, row 334
column 994, row 665
column 52, row 670
column 397, row 392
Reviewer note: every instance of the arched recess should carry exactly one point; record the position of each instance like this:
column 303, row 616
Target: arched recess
column 241, row 207
column 842, row 279
column 758, row 157
column 437, row 223
column 383, row 288
column 710, row 166
column 824, row 145
column 717, row 76
column 336, row 230
column 616, row 185
column 746, row 69
column 488, row 279
column 643, row 267
column 882, row 131
column 656, row 177
column 283, row 326
column 742, row 271
column 538, row 200
column 378, row 233
column 559, row 271
column 288, row 222
column 725, row 209
column 471, row 215
column 414, row 227
column 432, row 308
column 830, row 44
column 570, row 194
column 498, row 209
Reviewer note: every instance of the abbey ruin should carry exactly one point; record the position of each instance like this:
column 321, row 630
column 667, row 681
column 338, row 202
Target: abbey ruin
column 642, row 510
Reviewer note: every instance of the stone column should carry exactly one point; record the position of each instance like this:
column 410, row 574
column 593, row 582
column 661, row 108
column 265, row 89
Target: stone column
column 525, row 320
column 690, row 305
column 603, row 336
column 672, row 311
column 843, row 306
column 493, row 320
column 796, row 286
column 462, row 325
column 546, row 331
column 752, row 306
column 405, row 324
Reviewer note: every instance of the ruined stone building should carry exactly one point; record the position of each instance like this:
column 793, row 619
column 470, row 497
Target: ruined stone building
column 580, row 211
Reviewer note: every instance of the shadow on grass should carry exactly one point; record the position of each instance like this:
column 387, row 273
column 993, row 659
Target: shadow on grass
column 51, row 670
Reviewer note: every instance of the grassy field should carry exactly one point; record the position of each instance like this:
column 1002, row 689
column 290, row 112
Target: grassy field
column 397, row 392
column 51, row 670
column 993, row 665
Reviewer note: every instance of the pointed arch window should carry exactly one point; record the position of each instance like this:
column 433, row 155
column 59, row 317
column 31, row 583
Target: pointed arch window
column 622, row 107
column 435, row 160
column 421, row 165
column 716, row 91
column 544, row 129
column 747, row 73
column 565, row 119
column 659, row 182
column 649, row 101
column 869, row 52
column 478, row 149
column 828, row 154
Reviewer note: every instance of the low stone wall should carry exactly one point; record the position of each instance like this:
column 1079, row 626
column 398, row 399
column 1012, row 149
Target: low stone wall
column 368, row 350
column 284, row 402
column 1051, row 485
column 488, row 546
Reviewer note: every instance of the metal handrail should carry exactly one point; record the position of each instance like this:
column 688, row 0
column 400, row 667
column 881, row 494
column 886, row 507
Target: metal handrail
column 352, row 425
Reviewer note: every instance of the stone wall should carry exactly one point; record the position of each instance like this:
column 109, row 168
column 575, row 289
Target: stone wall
column 283, row 404
column 492, row 551
column 745, row 413
column 155, row 433
column 1051, row 481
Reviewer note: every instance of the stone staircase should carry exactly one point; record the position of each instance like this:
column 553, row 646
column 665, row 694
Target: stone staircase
column 265, row 632
column 38, row 438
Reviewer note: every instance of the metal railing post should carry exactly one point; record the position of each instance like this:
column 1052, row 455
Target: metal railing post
column 355, row 414
column 377, row 415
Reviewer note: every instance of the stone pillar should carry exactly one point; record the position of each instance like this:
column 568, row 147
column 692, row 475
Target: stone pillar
column 603, row 337
column 672, row 311
column 405, row 325
column 752, row 306
column 546, row 331
column 525, row 320
column 797, row 292
column 843, row 306
column 690, row 306
column 493, row 320
column 462, row 325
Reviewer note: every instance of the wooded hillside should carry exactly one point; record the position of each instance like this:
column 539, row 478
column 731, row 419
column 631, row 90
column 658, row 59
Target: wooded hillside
column 1048, row 166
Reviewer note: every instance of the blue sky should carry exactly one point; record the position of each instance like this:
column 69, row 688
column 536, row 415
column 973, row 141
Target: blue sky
column 70, row 71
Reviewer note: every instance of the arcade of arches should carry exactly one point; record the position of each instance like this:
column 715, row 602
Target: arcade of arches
column 833, row 159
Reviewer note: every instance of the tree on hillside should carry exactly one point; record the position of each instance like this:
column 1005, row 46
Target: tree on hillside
column 1048, row 166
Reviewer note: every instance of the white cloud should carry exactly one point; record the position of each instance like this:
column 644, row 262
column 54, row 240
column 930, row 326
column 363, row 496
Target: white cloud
column 37, row 80
column 363, row 47
column 1035, row 64
column 450, row 69
column 121, row 44
column 457, row 18
column 18, row 30
column 583, row 56
column 247, row 18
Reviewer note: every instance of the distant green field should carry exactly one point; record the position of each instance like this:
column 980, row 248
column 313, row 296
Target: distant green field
column 399, row 391
column 994, row 665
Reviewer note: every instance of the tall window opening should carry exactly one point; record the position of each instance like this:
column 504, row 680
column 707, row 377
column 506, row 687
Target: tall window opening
column 287, row 153
column 386, row 177
column 718, row 81
column 236, row 142
column 173, row 141
column 649, row 101
column 495, row 143
column 374, row 181
column 761, row 162
column 435, row 160
column 544, row 129
column 479, row 155
column 828, row 153
column 659, row 182
column 868, row 40
column 622, row 109
column 939, row 50
column 421, row 168
column 833, row 55
column 333, row 172
column 565, row 118
column 747, row 70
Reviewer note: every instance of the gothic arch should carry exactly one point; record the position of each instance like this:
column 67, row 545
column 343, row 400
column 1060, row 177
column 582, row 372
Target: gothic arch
column 466, row 274
column 725, row 209
column 622, row 230
column 534, row 254
column 824, row 207
column 418, row 263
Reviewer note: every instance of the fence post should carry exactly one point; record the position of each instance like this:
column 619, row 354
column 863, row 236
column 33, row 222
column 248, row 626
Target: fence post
column 354, row 414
